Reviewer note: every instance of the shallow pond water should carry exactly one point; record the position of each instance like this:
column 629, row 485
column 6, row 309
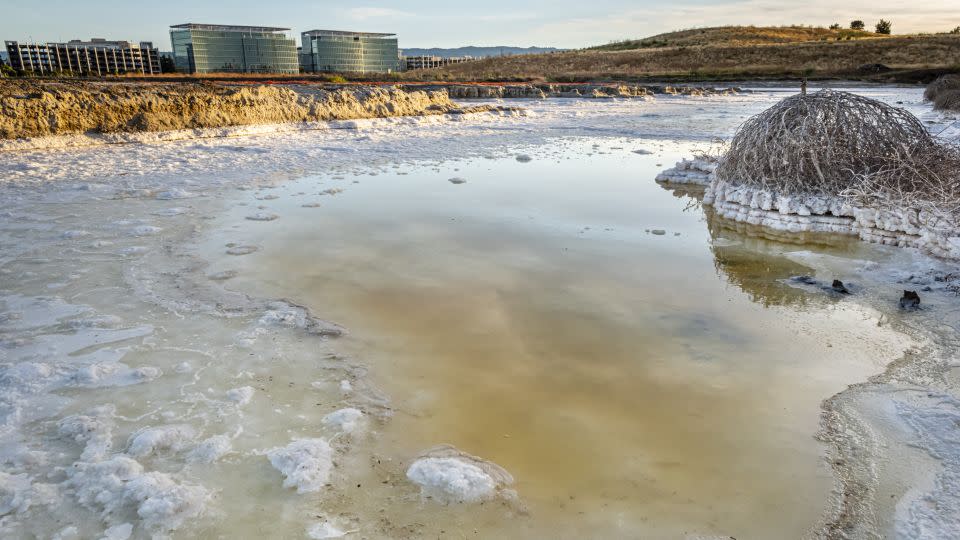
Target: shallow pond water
column 638, row 368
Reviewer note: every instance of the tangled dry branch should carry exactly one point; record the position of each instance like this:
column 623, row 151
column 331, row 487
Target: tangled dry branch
column 838, row 144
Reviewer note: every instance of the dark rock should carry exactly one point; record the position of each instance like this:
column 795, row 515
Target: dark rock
column 839, row 287
column 910, row 300
column 806, row 280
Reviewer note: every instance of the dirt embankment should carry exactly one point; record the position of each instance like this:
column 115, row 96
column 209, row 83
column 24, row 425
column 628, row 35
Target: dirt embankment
column 540, row 91
column 41, row 108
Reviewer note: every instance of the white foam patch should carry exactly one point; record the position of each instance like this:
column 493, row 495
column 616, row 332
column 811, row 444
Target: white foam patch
column 305, row 464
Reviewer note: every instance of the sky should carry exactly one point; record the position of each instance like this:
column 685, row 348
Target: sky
column 446, row 23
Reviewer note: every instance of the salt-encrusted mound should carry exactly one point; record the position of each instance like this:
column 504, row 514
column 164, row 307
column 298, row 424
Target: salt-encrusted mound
column 836, row 143
column 448, row 475
column 698, row 171
column 839, row 163
column 41, row 108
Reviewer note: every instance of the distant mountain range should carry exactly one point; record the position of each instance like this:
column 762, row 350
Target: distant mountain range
column 477, row 52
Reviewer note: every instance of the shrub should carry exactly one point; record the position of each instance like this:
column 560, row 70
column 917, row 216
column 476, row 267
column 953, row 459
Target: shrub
column 955, row 30
column 857, row 25
column 835, row 26
column 948, row 100
column 883, row 27
column 838, row 144
column 942, row 84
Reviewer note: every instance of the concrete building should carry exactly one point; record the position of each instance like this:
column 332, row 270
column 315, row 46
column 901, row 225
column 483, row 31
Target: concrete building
column 335, row 51
column 94, row 57
column 213, row 48
column 427, row 62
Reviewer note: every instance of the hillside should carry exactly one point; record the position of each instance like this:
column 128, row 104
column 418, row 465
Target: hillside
column 476, row 52
column 725, row 53
column 738, row 35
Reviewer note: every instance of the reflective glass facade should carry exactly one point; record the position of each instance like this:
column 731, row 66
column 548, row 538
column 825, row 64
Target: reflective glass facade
column 334, row 51
column 206, row 48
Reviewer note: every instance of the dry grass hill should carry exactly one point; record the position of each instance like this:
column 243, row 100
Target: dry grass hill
column 727, row 53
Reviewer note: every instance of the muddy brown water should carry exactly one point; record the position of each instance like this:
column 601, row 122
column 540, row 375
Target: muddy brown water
column 635, row 385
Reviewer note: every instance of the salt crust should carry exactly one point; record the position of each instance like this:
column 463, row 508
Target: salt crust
column 305, row 464
column 903, row 227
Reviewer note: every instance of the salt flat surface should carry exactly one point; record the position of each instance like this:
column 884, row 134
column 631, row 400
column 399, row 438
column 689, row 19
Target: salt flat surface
column 143, row 394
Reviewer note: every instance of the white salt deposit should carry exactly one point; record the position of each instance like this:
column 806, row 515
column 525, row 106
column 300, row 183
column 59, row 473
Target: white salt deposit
column 118, row 532
column 447, row 475
column 689, row 171
column 306, row 464
column 159, row 439
column 935, row 514
column 346, row 420
column 210, row 450
column 325, row 529
column 241, row 396
column 242, row 250
column 262, row 216
column 903, row 227
column 118, row 485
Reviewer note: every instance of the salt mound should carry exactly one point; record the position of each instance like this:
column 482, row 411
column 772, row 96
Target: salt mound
column 305, row 464
column 448, row 475
column 119, row 485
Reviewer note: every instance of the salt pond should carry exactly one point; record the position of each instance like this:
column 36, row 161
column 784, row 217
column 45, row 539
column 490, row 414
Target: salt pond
column 632, row 383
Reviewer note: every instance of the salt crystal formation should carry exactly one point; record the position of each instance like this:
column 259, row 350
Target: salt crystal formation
column 448, row 475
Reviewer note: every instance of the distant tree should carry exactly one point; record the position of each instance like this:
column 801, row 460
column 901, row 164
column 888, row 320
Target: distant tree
column 883, row 27
column 857, row 25
column 955, row 30
column 835, row 26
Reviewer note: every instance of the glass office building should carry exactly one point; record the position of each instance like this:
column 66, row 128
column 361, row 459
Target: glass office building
column 334, row 51
column 214, row 48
